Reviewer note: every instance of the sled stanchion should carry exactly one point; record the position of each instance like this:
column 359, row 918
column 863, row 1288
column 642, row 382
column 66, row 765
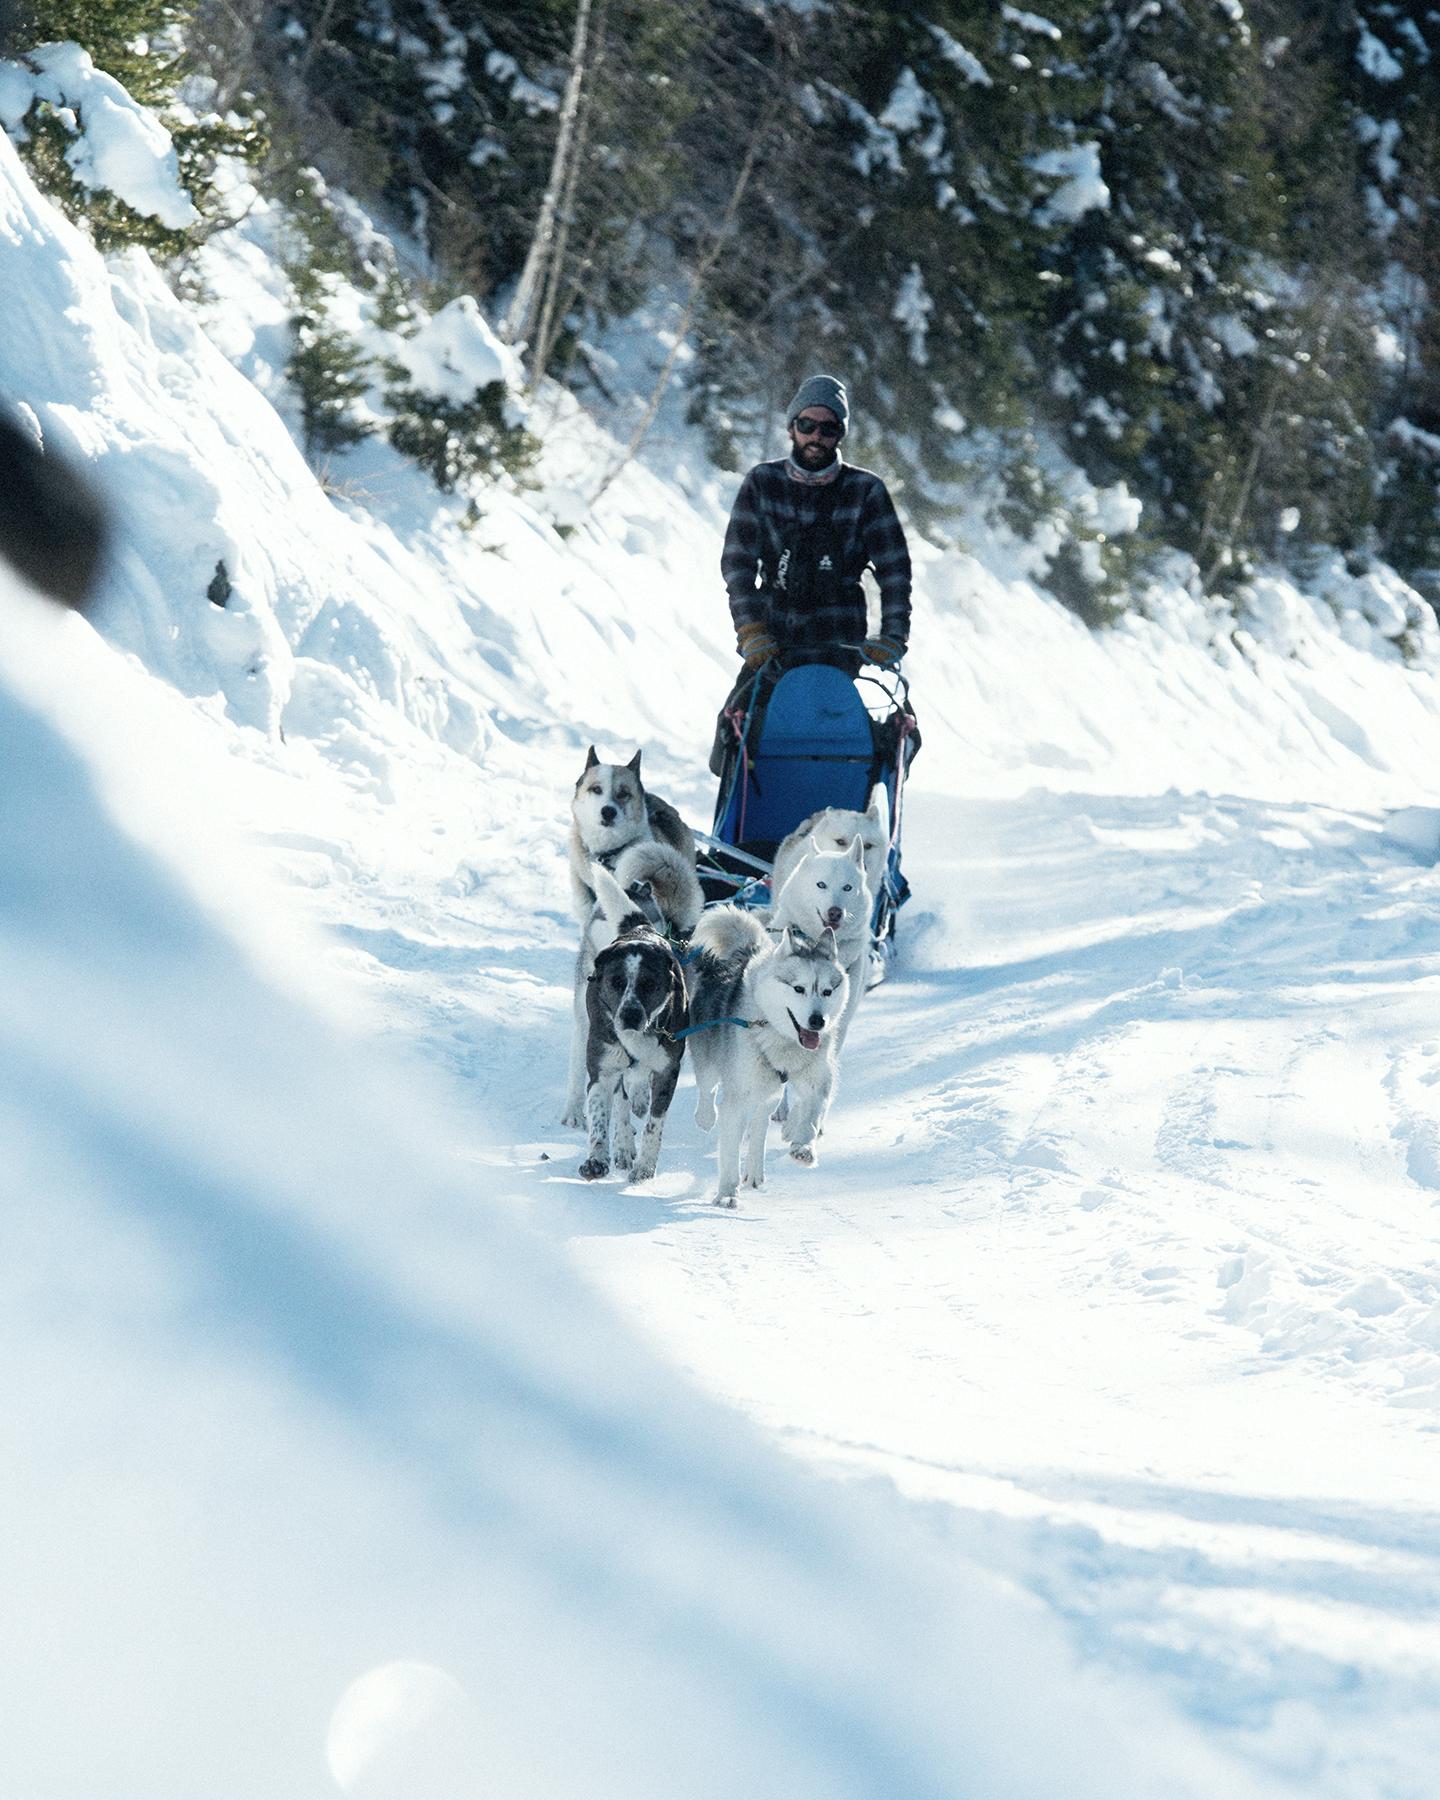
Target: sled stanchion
column 901, row 735
column 738, row 724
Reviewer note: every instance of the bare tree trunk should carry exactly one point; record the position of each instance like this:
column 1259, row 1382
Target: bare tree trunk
column 555, row 270
column 520, row 319
column 698, row 278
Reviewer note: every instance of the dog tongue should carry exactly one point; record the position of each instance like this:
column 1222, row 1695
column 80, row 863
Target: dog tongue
column 809, row 1040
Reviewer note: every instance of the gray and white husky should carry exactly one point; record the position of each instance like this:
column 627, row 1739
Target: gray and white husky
column 610, row 811
column 767, row 1011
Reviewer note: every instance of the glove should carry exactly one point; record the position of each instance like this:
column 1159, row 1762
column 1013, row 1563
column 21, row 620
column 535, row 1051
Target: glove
column 886, row 651
column 756, row 643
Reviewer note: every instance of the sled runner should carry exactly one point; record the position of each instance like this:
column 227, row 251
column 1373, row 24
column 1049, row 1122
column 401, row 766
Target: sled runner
column 798, row 739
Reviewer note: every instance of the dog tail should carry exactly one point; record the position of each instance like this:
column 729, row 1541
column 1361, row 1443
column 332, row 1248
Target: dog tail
column 672, row 882
column 727, row 932
column 621, row 913
column 669, row 827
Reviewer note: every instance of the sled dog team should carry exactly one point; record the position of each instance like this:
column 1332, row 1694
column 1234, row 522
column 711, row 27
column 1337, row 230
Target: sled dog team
column 762, row 1000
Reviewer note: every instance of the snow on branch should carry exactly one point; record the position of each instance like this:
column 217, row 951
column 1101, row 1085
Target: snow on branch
column 120, row 147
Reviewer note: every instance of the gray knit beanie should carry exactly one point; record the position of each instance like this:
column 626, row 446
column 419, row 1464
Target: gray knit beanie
column 822, row 390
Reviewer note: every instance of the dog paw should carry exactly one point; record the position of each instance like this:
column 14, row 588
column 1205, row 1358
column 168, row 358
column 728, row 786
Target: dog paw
column 643, row 1172
column 593, row 1168
column 725, row 1200
column 623, row 1159
column 571, row 1119
column 753, row 1181
column 804, row 1154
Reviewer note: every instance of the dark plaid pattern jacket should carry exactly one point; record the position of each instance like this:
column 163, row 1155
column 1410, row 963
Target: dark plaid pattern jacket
column 770, row 510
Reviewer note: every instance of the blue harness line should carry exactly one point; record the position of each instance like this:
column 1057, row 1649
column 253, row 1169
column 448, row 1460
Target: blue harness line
column 707, row 1024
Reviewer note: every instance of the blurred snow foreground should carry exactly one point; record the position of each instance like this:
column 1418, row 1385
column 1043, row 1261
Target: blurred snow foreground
column 247, row 1459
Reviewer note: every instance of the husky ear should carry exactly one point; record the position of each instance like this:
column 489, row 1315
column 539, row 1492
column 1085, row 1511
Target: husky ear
column 786, row 946
column 816, row 847
column 634, row 764
column 857, row 849
column 825, row 944
column 872, row 812
column 590, row 759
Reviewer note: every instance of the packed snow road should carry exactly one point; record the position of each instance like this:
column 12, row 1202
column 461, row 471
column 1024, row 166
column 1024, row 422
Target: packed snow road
column 1122, row 1246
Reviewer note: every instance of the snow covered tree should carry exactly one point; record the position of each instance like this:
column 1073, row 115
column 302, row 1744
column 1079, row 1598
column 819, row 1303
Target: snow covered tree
column 894, row 233
column 1391, row 66
column 452, row 113
column 1159, row 315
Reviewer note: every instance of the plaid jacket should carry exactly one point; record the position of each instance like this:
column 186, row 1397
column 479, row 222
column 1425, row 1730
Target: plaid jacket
column 770, row 510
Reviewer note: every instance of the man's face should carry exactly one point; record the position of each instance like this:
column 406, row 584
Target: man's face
column 814, row 449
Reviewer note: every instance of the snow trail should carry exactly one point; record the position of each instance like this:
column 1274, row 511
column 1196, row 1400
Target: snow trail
column 1122, row 1246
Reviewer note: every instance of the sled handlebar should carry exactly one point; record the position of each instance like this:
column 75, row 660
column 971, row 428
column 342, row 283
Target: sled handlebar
column 780, row 660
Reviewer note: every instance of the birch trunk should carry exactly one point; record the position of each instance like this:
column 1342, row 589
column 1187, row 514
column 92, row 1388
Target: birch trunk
column 519, row 321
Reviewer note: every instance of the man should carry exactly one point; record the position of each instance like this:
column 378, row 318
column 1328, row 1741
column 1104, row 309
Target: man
column 802, row 530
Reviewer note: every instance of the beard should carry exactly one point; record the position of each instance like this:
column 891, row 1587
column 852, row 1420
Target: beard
column 812, row 454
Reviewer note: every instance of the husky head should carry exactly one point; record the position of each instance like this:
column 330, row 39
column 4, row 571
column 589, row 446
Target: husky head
column 826, row 889
column 638, row 981
column 836, row 827
column 800, row 987
column 609, row 804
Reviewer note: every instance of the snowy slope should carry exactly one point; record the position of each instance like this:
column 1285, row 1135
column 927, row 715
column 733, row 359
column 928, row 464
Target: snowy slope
column 1114, row 1278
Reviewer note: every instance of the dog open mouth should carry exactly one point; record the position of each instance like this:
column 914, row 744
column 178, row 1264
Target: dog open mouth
column 809, row 1040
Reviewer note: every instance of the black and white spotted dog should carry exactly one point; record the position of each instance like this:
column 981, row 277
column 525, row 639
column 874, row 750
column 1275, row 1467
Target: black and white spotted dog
column 641, row 839
column 636, row 1005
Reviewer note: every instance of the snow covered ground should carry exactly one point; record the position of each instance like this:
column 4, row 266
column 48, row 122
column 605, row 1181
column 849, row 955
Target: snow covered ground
column 1110, row 1318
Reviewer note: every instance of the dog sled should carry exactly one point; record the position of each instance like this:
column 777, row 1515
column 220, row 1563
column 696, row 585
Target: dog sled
column 795, row 739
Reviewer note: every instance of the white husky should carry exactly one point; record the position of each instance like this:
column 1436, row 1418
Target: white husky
column 834, row 828
column 766, row 1013
column 828, row 890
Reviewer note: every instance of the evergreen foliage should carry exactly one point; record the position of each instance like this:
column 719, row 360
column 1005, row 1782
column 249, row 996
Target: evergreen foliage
column 139, row 42
column 456, row 442
column 1194, row 244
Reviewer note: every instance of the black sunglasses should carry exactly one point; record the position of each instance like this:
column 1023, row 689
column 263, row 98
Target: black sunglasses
column 823, row 428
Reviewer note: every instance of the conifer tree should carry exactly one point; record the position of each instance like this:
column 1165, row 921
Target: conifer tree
column 1392, row 73
column 1158, row 317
